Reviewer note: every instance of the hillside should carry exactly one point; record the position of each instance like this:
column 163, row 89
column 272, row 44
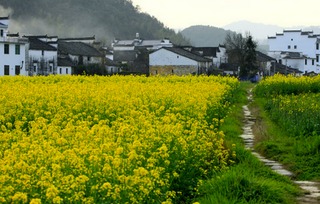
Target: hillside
column 107, row 19
column 205, row 36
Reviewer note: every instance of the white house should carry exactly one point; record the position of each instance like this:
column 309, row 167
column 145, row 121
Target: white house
column 42, row 55
column 178, row 61
column 218, row 55
column 296, row 49
column 126, row 45
column 12, row 51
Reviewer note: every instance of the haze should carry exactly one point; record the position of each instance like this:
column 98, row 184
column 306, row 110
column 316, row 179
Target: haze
column 179, row 14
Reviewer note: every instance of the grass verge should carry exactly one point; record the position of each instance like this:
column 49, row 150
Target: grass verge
column 248, row 180
column 300, row 154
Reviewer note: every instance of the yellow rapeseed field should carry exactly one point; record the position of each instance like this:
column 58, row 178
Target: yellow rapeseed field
column 78, row 139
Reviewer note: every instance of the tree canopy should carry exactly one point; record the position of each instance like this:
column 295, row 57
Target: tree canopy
column 107, row 19
column 242, row 52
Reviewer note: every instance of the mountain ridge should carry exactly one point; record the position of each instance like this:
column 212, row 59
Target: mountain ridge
column 106, row 19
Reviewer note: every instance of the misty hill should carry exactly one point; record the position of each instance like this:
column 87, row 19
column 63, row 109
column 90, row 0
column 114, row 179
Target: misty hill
column 107, row 19
column 205, row 36
column 261, row 31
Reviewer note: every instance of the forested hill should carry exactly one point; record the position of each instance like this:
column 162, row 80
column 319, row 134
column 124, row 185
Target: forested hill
column 200, row 35
column 107, row 19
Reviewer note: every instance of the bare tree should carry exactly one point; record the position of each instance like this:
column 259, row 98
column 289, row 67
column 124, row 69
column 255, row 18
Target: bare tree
column 241, row 52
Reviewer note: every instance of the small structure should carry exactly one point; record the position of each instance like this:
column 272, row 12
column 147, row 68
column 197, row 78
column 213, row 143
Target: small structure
column 178, row 61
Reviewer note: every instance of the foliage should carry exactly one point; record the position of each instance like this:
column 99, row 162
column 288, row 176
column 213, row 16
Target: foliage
column 116, row 139
column 287, row 85
column 250, row 67
column 241, row 51
column 247, row 180
column 94, row 69
column 107, row 19
column 293, row 134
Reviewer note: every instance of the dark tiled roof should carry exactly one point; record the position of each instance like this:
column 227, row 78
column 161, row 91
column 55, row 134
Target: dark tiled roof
column 128, row 56
column 78, row 48
column 284, row 69
column 13, row 35
column 293, row 55
column 36, row 44
column 206, row 51
column 77, row 39
column 65, row 62
column 187, row 54
column 263, row 57
column 4, row 18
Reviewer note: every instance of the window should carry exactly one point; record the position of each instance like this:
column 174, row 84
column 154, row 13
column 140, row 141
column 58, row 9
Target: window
column 1, row 33
column 67, row 71
column 313, row 62
column 42, row 52
column 289, row 47
column 34, row 68
column 60, row 70
column 291, row 39
column 177, row 56
column 6, row 70
column 317, row 45
column 50, row 70
column 306, row 61
column 17, row 70
column 6, row 48
column 89, row 58
column 317, row 58
column 17, row 49
column 280, row 61
column 295, row 47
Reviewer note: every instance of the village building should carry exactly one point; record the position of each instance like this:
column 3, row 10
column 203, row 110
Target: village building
column 177, row 61
column 218, row 54
column 74, row 52
column 13, row 51
column 42, row 55
column 133, row 55
column 296, row 49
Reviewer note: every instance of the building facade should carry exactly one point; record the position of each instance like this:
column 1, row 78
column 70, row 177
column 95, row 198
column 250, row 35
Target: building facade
column 296, row 49
column 12, row 51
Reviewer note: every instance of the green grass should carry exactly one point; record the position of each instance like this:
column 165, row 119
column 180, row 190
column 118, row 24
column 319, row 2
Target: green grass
column 300, row 154
column 248, row 180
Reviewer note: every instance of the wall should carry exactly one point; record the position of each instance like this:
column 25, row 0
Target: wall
column 164, row 57
column 173, row 70
column 12, row 59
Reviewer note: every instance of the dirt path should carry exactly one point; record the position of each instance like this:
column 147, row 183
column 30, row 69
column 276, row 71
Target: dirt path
column 311, row 189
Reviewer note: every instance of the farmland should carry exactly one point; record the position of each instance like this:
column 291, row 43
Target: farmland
column 111, row 139
column 292, row 106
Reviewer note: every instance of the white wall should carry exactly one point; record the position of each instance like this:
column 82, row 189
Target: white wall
column 12, row 59
column 164, row 57
column 61, row 70
column 296, row 41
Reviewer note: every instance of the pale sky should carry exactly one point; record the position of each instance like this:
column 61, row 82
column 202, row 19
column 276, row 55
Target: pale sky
column 179, row 14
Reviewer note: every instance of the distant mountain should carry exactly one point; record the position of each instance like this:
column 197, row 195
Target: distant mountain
column 257, row 30
column 107, row 19
column 261, row 31
column 205, row 36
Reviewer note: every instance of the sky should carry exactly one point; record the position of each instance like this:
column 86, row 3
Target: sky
column 180, row 14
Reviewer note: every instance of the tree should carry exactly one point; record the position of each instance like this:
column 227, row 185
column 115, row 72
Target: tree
column 241, row 52
column 250, row 67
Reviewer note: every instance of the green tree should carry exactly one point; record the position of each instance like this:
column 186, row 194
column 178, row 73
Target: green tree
column 250, row 67
column 242, row 53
